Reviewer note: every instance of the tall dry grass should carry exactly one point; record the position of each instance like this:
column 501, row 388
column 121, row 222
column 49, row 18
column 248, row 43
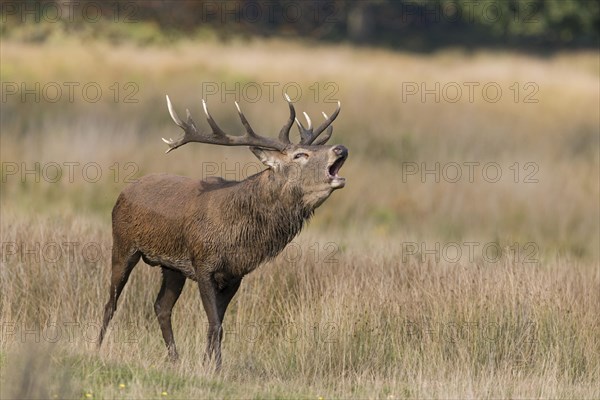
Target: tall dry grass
column 352, row 308
column 358, row 321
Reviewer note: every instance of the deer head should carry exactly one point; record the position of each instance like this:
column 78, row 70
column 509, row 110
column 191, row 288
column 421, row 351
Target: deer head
column 309, row 167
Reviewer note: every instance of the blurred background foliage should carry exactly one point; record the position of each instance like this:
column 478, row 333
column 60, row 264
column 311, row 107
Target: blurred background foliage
column 418, row 25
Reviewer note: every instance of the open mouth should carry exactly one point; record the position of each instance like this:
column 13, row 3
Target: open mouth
column 333, row 169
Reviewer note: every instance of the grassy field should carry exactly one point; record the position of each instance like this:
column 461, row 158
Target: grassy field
column 461, row 260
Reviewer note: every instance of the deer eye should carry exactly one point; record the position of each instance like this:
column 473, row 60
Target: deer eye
column 300, row 155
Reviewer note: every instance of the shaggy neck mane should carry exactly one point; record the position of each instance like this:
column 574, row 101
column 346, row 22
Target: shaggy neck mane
column 269, row 210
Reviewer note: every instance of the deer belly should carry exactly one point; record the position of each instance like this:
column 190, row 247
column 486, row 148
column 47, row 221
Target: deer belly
column 182, row 264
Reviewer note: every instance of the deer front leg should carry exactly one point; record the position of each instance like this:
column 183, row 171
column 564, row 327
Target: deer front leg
column 215, row 298
column 208, row 294
column 224, row 296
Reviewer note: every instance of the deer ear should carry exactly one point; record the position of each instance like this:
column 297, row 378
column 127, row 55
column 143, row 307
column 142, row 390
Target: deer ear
column 267, row 157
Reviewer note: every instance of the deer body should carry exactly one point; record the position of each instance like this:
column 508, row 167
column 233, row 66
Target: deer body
column 214, row 232
column 214, row 226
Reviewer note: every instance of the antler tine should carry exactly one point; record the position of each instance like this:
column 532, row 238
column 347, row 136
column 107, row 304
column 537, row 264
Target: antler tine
column 215, row 128
column 217, row 135
column 189, row 128
column 308, row 136
column 284, row 133
column 255, row 140
column 323, row 139
column 174, row 115
column 249, row 138
column 245, row 122
column 305, row 134
column 308, row 121
column 323, row 126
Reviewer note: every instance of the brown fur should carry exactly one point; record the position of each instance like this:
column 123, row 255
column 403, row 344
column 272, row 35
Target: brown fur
column 216, row 231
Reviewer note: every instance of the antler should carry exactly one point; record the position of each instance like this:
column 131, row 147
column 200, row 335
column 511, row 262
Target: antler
column 217, row 136
column 250, row 138
column 308, row 136
column 284, row 133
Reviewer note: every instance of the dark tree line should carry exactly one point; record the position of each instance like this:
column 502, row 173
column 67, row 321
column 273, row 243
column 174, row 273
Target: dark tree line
column 418, row 24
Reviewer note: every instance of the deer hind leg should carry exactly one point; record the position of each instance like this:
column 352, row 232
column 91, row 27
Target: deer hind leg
column 121, row 269
column 172, row 285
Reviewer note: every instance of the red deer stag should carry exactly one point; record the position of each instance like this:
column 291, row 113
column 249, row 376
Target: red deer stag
column 216, row 231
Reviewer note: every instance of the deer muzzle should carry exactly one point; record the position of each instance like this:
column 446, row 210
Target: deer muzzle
column 340, row 154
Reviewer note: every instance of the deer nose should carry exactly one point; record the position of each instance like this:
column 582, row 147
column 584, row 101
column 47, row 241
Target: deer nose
column 340, row 150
